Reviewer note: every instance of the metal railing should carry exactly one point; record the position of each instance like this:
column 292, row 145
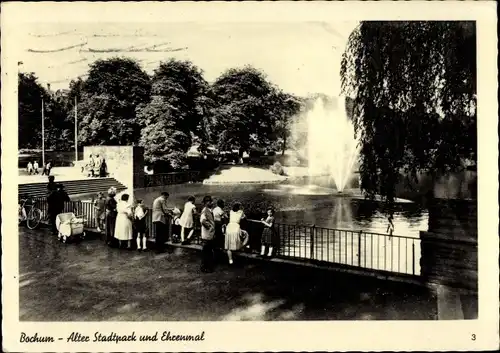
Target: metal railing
column 373, row 251
column 151, row 180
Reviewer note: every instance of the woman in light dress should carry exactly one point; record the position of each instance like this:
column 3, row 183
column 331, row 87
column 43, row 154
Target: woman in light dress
column 186, row 221
column 236, row 238
column 123, row 228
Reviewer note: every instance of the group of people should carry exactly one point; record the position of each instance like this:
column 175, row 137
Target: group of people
column 96, row 166
column 120, row 220
column 219, row 231
column 33, row 168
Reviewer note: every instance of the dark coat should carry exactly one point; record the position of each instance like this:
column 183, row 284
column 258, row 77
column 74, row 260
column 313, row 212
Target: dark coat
column 111, row 204
column 56, row 201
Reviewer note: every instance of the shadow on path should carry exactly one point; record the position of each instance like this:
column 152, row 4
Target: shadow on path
column 91, row 282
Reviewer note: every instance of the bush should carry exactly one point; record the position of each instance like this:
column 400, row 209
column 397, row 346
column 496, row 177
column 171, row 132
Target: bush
column 277, row 168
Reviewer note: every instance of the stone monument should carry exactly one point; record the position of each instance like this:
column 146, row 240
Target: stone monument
column 124, row 163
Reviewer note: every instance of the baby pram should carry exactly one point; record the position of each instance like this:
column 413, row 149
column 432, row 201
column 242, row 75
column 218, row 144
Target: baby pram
column 69, row 227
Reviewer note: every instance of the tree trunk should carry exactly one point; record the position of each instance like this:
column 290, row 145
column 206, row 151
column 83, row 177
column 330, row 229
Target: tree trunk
column 284, row 146
column 431, row 195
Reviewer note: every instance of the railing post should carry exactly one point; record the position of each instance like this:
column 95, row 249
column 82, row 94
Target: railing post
column 311, row 241
column 359, row 248
column 413, row 257
column 169, row 228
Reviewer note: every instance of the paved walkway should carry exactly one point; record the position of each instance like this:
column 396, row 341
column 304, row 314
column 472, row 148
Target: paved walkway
column 91, row 282
column 60, row 174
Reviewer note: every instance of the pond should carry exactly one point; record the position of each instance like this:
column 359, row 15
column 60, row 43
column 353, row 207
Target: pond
column 303, row 206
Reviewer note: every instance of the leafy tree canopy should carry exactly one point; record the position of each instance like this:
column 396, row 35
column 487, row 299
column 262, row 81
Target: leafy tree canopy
column 284, row 107
column 109, row 97
column 30, row 94
column 58, row 134
column 242, row 115
column 174, row 114
column 414, row 106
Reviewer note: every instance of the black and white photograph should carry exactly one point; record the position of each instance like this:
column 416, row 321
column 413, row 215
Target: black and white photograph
column 188, row 173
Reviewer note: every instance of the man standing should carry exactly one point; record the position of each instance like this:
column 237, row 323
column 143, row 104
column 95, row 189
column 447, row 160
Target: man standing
column 29, row 168
column 161, row 214
column 56, row 202
column 51, row 185
column 111, row 215
column 35, row 167
column 46, row 169
column 207, row 235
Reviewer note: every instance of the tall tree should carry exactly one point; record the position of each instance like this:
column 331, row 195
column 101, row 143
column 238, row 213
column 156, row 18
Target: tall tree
column 243, row 112
column 59, row 127
column 109, row 97
column 285, row 106
column 414, row 107
column 30, row 94
column 174, row 114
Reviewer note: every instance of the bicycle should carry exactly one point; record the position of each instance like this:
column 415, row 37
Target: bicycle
column 32, row 216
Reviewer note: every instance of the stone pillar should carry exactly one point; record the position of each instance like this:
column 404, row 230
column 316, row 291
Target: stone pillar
column 449, row 304
column 125, row 163
column 138, row 167
column 449, row 257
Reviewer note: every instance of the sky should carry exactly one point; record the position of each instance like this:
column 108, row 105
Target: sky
column 301, row 57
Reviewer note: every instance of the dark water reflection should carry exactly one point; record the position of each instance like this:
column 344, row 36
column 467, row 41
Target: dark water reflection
column 323, row 210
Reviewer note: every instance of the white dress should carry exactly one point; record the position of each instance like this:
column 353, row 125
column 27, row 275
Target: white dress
column 236, row 238
column 186, row 220
column 123, row 228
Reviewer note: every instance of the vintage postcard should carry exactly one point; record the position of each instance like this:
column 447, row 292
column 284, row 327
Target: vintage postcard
column 249, row 176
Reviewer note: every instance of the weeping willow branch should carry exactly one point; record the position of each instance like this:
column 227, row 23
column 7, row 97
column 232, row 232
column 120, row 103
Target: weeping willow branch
column 413, row 86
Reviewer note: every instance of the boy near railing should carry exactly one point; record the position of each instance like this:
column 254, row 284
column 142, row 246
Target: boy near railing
column 100, row 211
column 140, row 213
column 176, row 225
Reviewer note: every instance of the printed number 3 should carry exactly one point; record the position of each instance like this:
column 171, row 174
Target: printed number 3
column 473, row 337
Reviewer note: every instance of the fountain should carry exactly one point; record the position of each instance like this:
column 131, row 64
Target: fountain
column 328, row 142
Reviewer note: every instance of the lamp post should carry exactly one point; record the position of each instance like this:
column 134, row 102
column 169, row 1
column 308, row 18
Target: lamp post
column 43, row 134
column 76, row 130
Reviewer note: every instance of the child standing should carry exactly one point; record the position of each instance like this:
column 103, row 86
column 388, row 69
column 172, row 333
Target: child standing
column 268, row 234
column 140, row 224
column 220, row 218
column 100, row 211
column 176, row 226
